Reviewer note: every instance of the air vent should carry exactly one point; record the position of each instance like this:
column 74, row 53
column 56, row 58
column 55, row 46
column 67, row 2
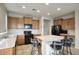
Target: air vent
column 34, row 9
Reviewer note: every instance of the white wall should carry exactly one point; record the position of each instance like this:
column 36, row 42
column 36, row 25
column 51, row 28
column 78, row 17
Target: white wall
column 50, row 25
column 3, row 14
column 77, row 28
column 69, row 15
column 42, row 24
column 3, row 19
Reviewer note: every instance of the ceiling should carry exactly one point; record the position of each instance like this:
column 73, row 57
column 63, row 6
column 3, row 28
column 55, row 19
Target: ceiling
column 44, row 9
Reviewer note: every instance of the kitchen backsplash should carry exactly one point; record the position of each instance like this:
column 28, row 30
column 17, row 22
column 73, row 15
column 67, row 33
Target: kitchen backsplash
column 21, row 31
column 71, row 32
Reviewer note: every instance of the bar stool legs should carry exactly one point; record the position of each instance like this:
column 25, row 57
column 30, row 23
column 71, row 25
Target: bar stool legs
column 68, row 50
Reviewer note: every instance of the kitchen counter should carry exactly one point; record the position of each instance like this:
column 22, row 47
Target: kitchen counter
column 68, row 36
column 49, row 38
column 8, row 42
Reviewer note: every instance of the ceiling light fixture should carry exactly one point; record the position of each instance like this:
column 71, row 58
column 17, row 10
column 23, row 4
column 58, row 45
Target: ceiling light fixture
column 48, row 13
column 58, row 9
column 38, row 11
column 23, row 7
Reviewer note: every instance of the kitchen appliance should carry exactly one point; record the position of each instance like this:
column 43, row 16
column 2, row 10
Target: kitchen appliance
column 57, row 30
column 28, row 36
column 27, row 26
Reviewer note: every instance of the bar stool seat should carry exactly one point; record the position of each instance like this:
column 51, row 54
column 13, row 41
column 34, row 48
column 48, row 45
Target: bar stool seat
column 57, row 46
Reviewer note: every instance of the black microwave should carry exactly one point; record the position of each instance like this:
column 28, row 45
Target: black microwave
column 27, row 26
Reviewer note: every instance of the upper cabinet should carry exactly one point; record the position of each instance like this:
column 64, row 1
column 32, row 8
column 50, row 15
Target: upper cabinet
column 71, row 23
column 20, row 23
column 67, row 24
column 58, row 21
column 27, row 20
column 35, row 24
column 15, row 22
column 12, row 22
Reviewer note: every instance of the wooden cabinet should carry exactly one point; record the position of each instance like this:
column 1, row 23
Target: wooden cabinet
column 7, row 51
column 68, row 23
column 35, row 24
column 71, row 23
column 15, row 22
column 20, row 40
column 58, row 21
column 12, row 22
column 20, row 23
column 27, row 20
column 64, row 24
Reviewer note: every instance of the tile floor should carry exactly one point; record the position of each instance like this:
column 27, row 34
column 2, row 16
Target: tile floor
column 74, row 52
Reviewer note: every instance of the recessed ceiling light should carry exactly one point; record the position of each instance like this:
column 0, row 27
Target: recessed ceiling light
column 58, row 9
column 23, row 7
column 48, row 13
column 38, row 11
column 46, row 3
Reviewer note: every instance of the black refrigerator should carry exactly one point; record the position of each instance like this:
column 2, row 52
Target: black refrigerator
column 57, row 29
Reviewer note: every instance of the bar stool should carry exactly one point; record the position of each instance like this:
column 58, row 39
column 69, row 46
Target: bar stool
column 57, row 46
column 34, row 46
column 67, row 43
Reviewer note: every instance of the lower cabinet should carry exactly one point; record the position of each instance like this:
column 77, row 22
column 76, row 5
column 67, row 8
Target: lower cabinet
column 7, row 51
column 20, row 40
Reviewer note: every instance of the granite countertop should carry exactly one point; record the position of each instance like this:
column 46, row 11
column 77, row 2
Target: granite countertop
column 49, row 38
column 8, row 42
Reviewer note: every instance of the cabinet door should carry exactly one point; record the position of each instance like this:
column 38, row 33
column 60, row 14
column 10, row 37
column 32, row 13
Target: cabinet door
column 71, row 23
column 65, row 24
column 58, row 22
column 20, row 23
column 27, row 20
column 20, row 40
column 7, row 51
column 35, row 24
column 12, row 22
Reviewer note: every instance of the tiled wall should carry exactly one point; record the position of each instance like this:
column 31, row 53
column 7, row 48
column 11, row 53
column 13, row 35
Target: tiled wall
column 21, row 31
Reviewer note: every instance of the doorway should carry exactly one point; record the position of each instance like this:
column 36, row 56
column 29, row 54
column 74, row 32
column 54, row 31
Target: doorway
column 46, row 27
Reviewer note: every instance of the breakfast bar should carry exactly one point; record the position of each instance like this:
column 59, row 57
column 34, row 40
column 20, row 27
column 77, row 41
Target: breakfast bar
column 46, row 40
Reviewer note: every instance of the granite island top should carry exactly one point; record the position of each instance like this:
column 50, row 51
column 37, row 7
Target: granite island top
column 8, row 42
column 49, row 38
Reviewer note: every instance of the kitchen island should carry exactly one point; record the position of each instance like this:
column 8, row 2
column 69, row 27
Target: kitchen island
column 7, row 45
column 46, row 40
